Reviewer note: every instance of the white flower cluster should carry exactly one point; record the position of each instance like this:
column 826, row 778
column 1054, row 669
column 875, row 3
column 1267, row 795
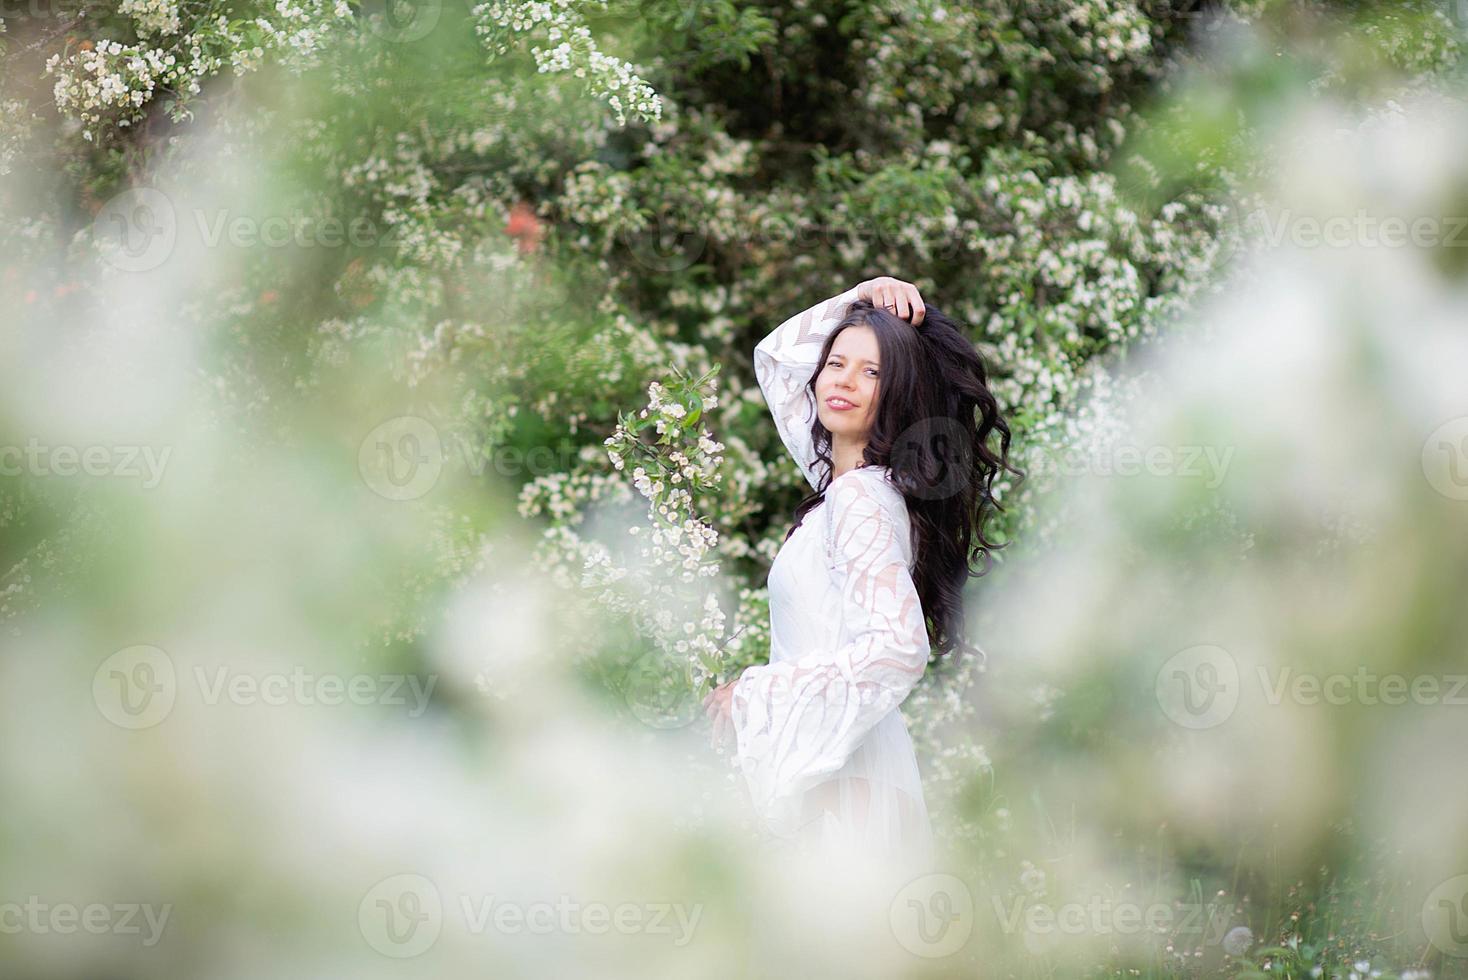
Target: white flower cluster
column 406, row 192
column 1113, row 31
column 572, row 50
column 1072, row 259
column 661, row 582
column 108, row 81
column 115, row 78
column 151, row 16
column 930, row 56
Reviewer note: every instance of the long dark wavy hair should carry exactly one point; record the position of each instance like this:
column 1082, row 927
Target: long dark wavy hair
column 933, row 422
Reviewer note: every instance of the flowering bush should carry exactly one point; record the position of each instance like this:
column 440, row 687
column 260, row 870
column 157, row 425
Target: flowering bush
column 108, row 83
column 181, row 44
column 659, row 584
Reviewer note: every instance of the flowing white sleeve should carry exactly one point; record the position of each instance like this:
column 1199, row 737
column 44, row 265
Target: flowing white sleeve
column 784, row 362
column 797, row 722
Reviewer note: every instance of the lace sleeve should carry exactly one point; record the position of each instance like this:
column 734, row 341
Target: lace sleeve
column 784, row 362
column 797, row 722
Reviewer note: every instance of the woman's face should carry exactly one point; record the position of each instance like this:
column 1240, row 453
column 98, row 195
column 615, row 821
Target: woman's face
column 849, row 377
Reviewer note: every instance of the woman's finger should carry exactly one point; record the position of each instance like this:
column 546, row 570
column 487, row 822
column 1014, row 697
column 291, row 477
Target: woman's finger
column 915, row 304
column 909, row 301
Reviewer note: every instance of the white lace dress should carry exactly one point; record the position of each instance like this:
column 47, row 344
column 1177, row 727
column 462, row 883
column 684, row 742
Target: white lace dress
column 824, row 750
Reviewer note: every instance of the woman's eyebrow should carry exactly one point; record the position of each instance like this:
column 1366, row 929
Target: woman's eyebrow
column 861, row 359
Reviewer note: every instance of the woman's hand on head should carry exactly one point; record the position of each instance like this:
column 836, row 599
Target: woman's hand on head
column 894, row 296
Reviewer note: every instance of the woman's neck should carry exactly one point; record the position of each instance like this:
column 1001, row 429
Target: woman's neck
column 845, row 455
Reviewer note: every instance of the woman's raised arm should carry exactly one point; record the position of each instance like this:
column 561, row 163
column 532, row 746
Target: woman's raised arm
column 783, row 364
column 785, row 360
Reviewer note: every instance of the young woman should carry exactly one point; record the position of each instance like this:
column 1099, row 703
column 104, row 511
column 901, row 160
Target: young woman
column 885, row 407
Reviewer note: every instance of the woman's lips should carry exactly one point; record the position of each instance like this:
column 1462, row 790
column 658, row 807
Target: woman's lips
column 839, row 404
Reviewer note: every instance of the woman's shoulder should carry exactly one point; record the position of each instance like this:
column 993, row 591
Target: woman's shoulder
column 868, row 483
column 869, row 475
column 867, row 510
